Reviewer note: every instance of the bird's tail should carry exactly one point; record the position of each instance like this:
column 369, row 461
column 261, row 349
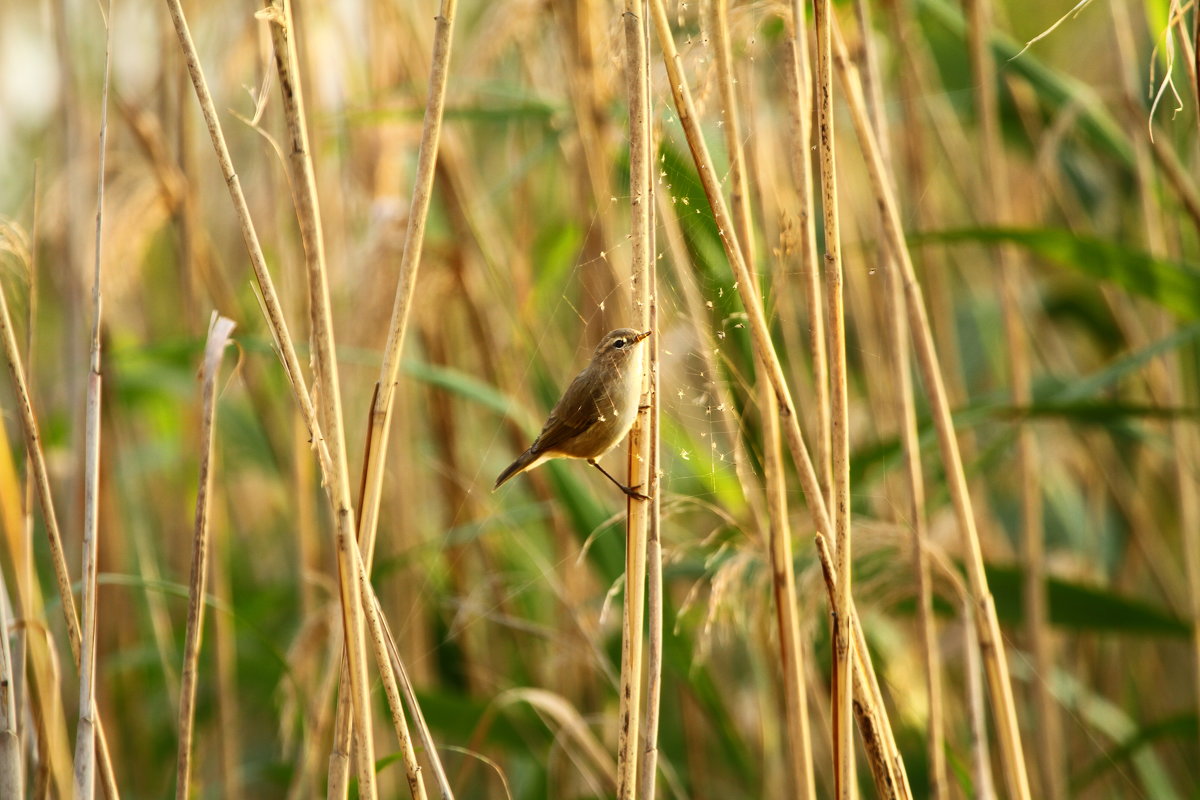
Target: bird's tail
column 515, row 468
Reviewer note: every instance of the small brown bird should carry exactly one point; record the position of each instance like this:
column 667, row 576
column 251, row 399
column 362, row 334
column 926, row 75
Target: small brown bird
column 596, row 410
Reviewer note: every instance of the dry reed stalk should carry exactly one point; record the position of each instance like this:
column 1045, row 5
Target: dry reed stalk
column 654, row 570
column 981, row 765
column 879, row 743
column 41, row 688
column 379, row 639
column 380, row 416
column 11, row 774
column 308, row 215
column 646, row 293
column 40, row 475
column 906, row 415
column 272, row 309
column 229, row 714
column 219, row 330
column 410, row 696
column 85, row 734
column 760, row 333
column 779, row 534
column 939, row 779
column 764, row 349
column 641, row 436
column 800, row 104
column 996, row 209
column 843, row 686
column 351, row 605
column 939, row 785
column 936, row 120
column 991, row 641
column 33, row 448
column 22, row 549
column 381, row 403
column 791, row 644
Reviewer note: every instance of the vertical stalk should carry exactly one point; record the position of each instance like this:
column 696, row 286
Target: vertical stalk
column 800, row 86
column 654, row 566
column 225, row 655
column 879, row 742
column 308, row 212
column 642, row 435
column 11, row 777
column 799, row 765
column 85, row 735
column 997, row 211
column 906, row 416
column 336, row 482
column 218, row 337
column 648, row 285
column 764, row 349
column 991, row 642
column 380, row 416
column 939, row 786
column 45, row 691
column 981, row 764
column 843, row 687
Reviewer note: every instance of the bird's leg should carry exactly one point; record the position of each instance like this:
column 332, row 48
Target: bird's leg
column 631, row 491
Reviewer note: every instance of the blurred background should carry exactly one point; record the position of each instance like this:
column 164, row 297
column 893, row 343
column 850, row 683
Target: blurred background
column 525, row 266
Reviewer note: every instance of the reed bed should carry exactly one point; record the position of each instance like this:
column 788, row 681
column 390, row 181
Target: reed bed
column 918, row 426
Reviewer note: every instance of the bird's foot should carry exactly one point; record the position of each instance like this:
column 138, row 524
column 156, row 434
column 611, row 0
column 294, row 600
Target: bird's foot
column 632, row 491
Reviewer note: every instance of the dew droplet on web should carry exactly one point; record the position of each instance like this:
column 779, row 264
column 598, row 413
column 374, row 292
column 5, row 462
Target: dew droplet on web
column 685, row 455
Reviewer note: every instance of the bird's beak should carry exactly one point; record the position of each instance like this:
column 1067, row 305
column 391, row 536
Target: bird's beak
column 641, row 336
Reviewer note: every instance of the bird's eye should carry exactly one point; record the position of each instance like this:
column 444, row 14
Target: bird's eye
column 619, row 343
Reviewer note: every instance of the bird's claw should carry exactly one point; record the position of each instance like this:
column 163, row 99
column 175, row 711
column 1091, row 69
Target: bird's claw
column 632, row 491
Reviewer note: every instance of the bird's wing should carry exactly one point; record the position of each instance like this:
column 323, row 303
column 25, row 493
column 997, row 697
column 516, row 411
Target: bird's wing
column 574, row 413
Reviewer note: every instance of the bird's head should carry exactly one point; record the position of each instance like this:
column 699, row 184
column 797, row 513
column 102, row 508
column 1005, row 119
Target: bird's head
column 619, row 346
